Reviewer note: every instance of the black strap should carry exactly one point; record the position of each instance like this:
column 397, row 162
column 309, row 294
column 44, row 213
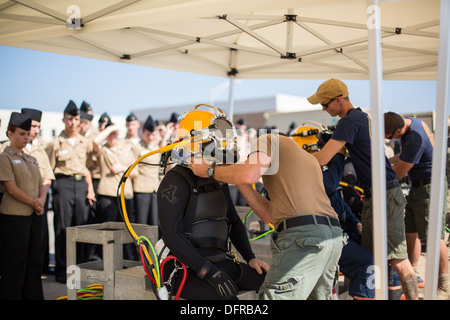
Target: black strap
column 303, row 220
column 198, row 186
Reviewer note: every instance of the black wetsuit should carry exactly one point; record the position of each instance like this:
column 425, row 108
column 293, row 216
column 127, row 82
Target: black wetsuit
column 173, row 196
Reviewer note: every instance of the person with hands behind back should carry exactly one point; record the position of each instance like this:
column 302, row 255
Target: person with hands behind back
column 20, row 216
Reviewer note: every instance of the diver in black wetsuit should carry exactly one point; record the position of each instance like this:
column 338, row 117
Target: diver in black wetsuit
column 198, row 218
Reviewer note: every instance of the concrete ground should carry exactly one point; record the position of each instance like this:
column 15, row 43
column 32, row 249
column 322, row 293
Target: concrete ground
column 52, row 289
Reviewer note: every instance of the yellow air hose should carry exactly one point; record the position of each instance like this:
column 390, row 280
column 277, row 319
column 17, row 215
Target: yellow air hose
column 164, row 149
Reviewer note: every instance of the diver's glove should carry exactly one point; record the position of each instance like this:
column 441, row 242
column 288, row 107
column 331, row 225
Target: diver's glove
column 219, row 280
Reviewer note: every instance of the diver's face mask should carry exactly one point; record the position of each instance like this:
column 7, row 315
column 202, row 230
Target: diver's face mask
column 213, row 137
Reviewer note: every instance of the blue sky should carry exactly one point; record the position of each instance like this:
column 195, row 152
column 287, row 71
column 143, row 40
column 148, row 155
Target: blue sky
column 47, row 81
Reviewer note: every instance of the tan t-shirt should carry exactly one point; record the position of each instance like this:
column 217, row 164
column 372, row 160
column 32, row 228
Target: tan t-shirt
column 294, row 179
column 92, row 157
column 23, row 169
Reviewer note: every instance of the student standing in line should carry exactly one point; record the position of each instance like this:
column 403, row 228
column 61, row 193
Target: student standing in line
column 114, row 159
column 20, row 216
column 72, row 189
column 146, row 183
column 36, row 148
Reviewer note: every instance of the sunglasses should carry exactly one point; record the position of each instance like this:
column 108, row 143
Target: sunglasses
column 325, row 105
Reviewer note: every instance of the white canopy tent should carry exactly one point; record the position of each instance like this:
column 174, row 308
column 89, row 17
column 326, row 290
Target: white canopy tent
column 307, row 39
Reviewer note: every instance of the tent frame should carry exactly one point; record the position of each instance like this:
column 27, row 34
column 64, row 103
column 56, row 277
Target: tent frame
column 347, row 48
column 439, row 155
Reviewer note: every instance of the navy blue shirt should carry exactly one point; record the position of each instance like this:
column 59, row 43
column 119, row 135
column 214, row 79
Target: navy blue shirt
column 331, row 178
column 417, row 148
column 354, row 129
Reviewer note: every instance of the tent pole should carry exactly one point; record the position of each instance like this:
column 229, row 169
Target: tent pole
column 231, row 99
column 439, row 156
column 232, row 74
column 377, row 152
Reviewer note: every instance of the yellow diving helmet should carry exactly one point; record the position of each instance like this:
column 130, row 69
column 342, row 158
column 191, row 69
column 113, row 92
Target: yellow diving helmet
column 214, row 136
column 306, row 137
column 311, row 138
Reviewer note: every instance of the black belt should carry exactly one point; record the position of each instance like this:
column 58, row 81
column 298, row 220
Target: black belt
column 419, row 183
column 389, row 185
column 76, row 177
column 305, row 220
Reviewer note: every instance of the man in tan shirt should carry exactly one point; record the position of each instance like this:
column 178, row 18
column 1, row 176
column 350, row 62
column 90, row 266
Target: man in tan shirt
column 308, row 240
column 72, row 189
column 147, row 181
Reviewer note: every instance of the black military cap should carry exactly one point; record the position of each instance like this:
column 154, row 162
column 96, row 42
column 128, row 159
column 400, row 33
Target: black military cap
column 20, row 120
column 85, row 106
column 149, row 124
column 104, row 118
column 174, row 117
column 85, row 115
column 131, row 117
column 33, row 114
column 240, row 121
column 72, row 109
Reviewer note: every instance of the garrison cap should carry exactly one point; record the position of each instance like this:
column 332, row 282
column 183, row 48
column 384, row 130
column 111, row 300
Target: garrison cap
column 85, row 115
column 149, row 124
column 104, row 118
column 240, row 121
column 131, row 117
column 72, row 109
column 85, row 107
column 20, row 120
column 174, row 117
column 33, row 114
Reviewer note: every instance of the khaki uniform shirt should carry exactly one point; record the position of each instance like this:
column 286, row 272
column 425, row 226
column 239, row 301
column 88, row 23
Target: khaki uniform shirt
column 24, row 170
column 109, row 182
column 37, row 149
column 148, row 179
column 69, row 159
column 294, row 180
column 92, row 157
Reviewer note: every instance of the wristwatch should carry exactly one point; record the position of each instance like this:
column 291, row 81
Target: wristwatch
column 210, row 170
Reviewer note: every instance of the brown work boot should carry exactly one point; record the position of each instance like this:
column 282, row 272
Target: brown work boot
column 443, row 290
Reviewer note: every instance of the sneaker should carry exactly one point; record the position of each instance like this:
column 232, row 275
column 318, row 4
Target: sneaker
column 361, row 298
column 395, row 293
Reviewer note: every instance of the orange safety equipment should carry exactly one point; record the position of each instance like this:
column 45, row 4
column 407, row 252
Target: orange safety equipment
column 306, row 137
column 214, row 136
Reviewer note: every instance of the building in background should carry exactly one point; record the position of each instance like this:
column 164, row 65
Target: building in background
column 279, row 110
